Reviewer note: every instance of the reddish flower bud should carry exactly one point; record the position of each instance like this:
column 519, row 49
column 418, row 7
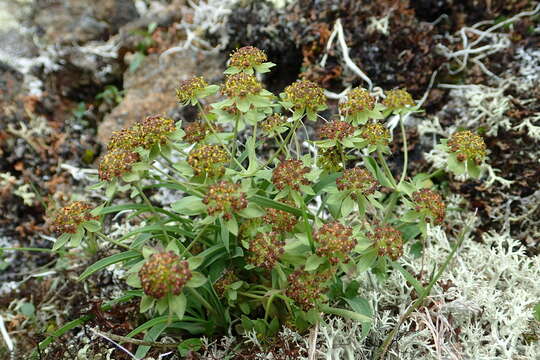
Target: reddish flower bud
column 164, row 273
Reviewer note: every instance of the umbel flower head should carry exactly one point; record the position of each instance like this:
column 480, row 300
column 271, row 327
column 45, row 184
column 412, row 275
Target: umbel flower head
column 195, row 131
column 189, row 89
column 358, row 180
column 68, row 218
column 430, row 204
column 208, row 160
column 281, row 221
column 265, row 250
column 336, row 130
column 329, row 159
column 225, row 198
column 304, row 94
column 398, row 99
column 228, row 278
column 116, row 163
column 241, row 85
column 271, row 124
column 467, row 146
column 376, row 134
column 290, row 173
column 335, row 241
column 146, row 133
column 163, row 274
column 358, row 100
column 306, row 289
column 247, row 57
column 388, row 242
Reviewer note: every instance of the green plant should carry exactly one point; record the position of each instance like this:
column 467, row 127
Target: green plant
column 257, row 241
column 146, row 41
column 111, row 95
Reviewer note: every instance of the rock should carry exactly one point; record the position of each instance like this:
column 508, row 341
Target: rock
column 150, row 90
column 77, row 21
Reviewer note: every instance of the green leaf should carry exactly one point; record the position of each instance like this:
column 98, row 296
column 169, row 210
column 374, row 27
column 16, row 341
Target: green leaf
column 473, row 170
column 197, row 280
column 136, row 61
column 232, row 226
column 347, row 206
column 361, row 306
column 193, row 344
column 251, row 211
column 455, row 166
column 346, row 314
column 224, row 234
column 147, row 302
column 195, row 262
column 177, row 304
column 61, row 241
column 92, row 225
column 536, row 311
column 151, row 335
column 27, row 309
column 113, row 259
column 189, row 205
column 366, row 260
column 313, row 262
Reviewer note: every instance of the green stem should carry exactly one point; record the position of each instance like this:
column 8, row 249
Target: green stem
column 149, row 204
column 386, row 168
column 201, row 300
column 342, row 153
column 284, row 145
column 234, row 139
column 390, row 337
column 199, row 236
column 405, row 150
column 106, row 238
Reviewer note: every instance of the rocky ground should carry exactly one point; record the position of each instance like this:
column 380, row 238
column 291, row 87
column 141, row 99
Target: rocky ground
column 72, row 71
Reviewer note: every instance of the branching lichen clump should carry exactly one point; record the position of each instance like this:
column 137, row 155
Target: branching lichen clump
column 398, row 99
column 68, row 218
column 304, row 94
column 388, row 241
column 266, row 249
column 376, row 134
column 290, row 173
column 357, row 180
column 225, row 199
column 163, row 274
column 335, row 241
column 247, row 57
column 208, row 160
column 467, row 146
column 116, row 163
column 336, row 130
column 358, row 100
column 241, row 85
column 431, row 204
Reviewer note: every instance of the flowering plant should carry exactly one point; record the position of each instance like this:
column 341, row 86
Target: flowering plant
column 257, row 240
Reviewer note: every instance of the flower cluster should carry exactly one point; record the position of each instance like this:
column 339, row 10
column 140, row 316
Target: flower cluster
column 272, row 123
column 305, row 288
column 265, row 249
column 336, row 130
column 189, row 89
column 290, row 173
column 241, row 85
column 467, row 146
column 247, row 57
column 398, row 99
column 429, row 203
column 304, row 94
column 376, row 134
column 146, row 133
column 335, row 241
column 224, row 198
column 358, row 100
column 388, row 241
column 116, row 163
column 163, row 274
column 195, row 131
column 357, row 180
column 280, row 220
column 208, row 160
column 329, row 159
column 68, row 218
column 228, row 278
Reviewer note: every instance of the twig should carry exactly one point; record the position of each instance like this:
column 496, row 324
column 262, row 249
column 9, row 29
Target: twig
column 5, row 335
column 124, row 339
